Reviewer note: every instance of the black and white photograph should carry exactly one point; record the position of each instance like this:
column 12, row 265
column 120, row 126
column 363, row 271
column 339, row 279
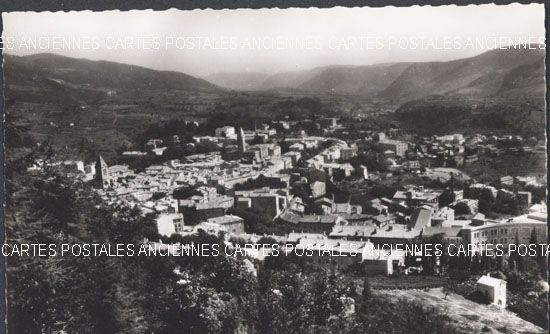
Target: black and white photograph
column 276, row 170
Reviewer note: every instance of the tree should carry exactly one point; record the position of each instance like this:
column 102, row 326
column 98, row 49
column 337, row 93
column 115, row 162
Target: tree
column 446, row 198
column 533, row 239
column 515, row 257
column 367, row 294
column 462, row 208
column 257, row 140
column 487, row 195
column 102, row 294
column 185, row 192
column 484, row 206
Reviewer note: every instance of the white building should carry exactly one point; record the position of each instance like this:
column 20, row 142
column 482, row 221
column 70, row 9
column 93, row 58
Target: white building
column 226, row 131
column 494, row 289
column 168, row 224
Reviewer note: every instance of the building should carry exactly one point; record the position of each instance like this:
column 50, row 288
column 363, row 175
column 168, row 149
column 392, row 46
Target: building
column 337, row 170
column 417, row 196
column 168, row 224
column 102, row 177
column 296, row 204
column 420, row 218
column 527, row 180
column 458, row 160
column 297, row 147
column 153, row 143
column 315, row 174
column 284, row 124
column 362, row 172
column 274, row 151
column 511, row 231
column 397, row 146
column 251, row 155
column 506, row 180
column 205, row 211
column 318, row 224
column 390, row 234
column 494, row 289
column 326, row 205
column 443, row 214
column 266, row 150
column 348, row 153
column 226, row 131
column 383, row 262
column 449, row 234
column 451, row 139
column 413, row 165
column 328, row 122
column 241, row 142
column 318, row 189
column 523, row 198
column 232, row 224
column 375, row 207
column 269, row 202
column 294, row 156
column 538, row 208
column 471, row 159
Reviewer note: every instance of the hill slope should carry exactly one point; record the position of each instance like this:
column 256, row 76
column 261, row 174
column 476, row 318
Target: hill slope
column 480, row 76
column 237, row 80
column 493, row 73
column 354, row 80
column 349, row 80
column 54, row 78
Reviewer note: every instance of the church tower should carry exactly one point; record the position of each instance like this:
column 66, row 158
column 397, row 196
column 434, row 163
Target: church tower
column 101, row 172
column 241, row 141
column 453, row 196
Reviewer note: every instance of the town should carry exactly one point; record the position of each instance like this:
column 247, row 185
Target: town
column 293, row 184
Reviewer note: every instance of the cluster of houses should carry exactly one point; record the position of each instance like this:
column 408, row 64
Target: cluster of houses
column 455, row 150
column 412, row 213
column 214, row 174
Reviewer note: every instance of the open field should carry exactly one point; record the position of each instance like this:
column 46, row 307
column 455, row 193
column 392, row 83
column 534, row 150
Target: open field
column 469, row 316
column 444, row 174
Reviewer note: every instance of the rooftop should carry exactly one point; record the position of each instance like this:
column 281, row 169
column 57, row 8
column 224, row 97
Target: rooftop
column 227, row 219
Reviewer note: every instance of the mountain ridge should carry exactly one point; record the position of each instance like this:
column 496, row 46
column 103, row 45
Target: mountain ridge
column 495, row 73
column 41, row 77
column 485, row 75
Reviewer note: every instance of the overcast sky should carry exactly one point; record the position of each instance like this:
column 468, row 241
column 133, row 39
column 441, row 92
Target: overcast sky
column 273, row 40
